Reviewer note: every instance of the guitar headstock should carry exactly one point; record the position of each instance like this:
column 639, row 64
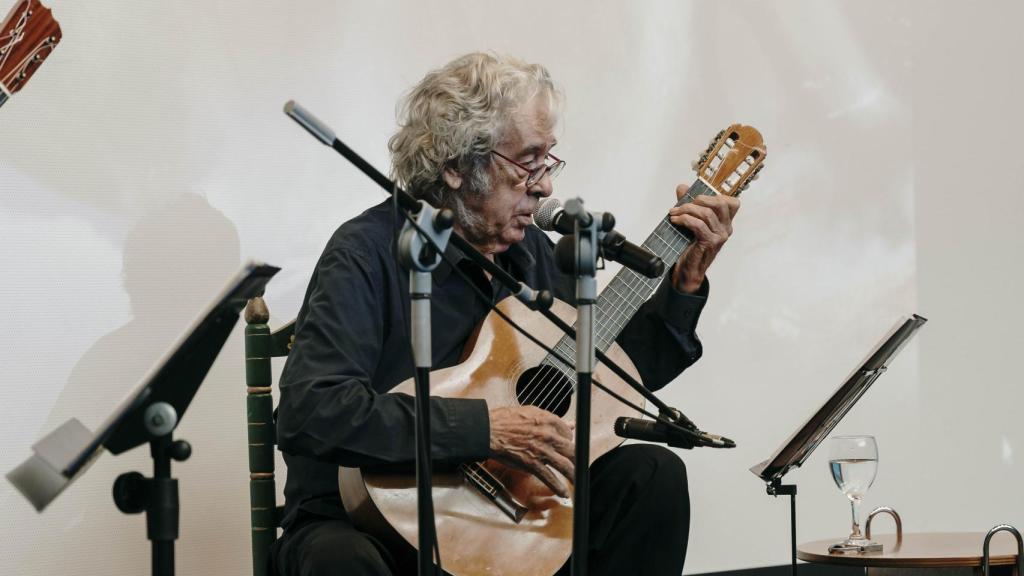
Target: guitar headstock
column 27, row 36
column 732, row 159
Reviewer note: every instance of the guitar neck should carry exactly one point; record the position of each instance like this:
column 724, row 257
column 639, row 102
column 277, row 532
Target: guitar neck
column 627, row 291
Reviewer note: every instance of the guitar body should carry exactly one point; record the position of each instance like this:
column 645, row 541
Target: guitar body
column 475, row 536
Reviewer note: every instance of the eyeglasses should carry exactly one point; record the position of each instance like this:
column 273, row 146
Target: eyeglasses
column 535, row 174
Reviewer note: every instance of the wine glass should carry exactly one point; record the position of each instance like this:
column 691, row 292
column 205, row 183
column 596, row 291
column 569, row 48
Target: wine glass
column 854, row 463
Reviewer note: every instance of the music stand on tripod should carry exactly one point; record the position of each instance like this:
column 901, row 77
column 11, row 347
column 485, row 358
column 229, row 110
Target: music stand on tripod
column 795, row 450
column 150, row 414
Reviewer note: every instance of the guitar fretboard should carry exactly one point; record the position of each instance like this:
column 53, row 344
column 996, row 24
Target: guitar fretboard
column 627, row 291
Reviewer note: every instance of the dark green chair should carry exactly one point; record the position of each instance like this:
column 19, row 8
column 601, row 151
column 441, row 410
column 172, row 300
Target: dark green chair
column 260, row 346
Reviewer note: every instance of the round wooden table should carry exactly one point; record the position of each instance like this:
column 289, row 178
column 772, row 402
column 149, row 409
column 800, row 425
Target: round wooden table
column 924, row 550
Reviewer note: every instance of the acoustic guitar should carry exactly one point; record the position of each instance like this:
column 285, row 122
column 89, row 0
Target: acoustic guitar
column 27, row 36
column 493, row 519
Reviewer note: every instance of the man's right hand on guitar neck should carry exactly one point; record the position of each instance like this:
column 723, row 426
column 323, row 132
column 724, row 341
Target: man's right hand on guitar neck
column 534, row 440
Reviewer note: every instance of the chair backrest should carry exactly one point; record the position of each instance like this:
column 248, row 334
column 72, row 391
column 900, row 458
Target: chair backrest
column 260, row 346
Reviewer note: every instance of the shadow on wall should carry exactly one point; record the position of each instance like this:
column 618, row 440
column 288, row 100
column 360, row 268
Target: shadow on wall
column 176, row 259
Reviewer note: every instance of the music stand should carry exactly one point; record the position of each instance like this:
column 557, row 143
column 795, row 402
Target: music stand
column 798, row 447
column 148, row 414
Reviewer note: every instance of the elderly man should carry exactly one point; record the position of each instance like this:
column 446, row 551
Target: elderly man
column 475, row 136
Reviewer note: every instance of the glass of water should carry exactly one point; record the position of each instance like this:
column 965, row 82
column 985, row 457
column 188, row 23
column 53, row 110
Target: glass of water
column 854, row 463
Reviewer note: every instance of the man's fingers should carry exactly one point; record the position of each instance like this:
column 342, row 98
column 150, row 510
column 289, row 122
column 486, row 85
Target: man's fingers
column 564, row 446
column 563, row 465
column 708, row 215
column 563, row 428
column 681, row 191
column 724, row 206
column 550, row 479
column 696, row 225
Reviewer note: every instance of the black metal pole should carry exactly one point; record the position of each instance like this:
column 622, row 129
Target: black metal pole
column 162, row 511
column 156, row 496
column 581, row 493
column 777, row 488
column 585, row 267
column 424, row 491
column 792, row 527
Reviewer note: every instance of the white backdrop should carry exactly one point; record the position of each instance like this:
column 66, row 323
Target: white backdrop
column 149, row 157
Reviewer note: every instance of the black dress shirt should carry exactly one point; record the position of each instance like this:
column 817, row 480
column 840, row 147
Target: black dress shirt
column 352, row 346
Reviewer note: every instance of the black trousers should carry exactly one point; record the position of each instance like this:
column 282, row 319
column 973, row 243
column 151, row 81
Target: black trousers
column 639, row 524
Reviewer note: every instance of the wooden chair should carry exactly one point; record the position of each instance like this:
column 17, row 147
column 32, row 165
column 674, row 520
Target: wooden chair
column 260, row 346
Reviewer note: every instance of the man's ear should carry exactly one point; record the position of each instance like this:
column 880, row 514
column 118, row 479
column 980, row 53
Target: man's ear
column 452, row 178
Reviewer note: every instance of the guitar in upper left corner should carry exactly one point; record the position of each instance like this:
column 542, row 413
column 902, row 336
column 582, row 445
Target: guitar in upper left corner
column 27, row 37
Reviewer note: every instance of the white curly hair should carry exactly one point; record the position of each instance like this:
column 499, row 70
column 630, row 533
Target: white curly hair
column 454, row 117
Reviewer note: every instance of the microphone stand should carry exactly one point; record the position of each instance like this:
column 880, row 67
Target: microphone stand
column 584, row 267
column 419, row 256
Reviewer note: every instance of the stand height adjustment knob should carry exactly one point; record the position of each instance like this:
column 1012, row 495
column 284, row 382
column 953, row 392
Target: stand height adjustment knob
column 181, row 450
column 131, row 492
column 444, row 220
column 160, row 419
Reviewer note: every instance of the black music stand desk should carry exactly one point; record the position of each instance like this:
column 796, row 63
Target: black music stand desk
column 150, row 414
column 795, row 450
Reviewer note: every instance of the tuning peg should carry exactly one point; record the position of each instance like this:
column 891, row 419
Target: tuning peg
column 695, row 165
column 714, row 141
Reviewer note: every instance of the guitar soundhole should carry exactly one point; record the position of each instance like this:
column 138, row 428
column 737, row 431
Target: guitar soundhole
column 545, row 387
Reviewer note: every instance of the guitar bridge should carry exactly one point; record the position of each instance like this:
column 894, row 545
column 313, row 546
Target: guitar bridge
column 494, row 490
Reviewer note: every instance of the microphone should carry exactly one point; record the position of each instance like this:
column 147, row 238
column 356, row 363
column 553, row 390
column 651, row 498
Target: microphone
column 636, row 258
column 655, row 431
column 550, row 215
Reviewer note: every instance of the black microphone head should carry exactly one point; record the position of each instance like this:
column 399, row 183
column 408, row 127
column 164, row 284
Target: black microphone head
column 620, row 425
column 565, row 254
column 544, row 213
column 545, row 300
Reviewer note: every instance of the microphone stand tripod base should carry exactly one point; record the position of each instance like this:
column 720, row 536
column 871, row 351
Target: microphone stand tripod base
column 868, row 547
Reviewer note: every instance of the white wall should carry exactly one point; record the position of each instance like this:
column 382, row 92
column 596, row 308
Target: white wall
column 149, row 157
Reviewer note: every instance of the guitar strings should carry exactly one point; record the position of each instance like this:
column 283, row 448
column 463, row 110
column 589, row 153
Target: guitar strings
column 24, row 64
column 603, row 332
column 626, row 275
column 535, row 387
column 648, row 287
column 633, row 282
column 16, row 35
column 597, row 384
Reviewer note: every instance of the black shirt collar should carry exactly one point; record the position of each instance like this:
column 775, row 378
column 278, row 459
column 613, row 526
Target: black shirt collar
column 517, row 259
